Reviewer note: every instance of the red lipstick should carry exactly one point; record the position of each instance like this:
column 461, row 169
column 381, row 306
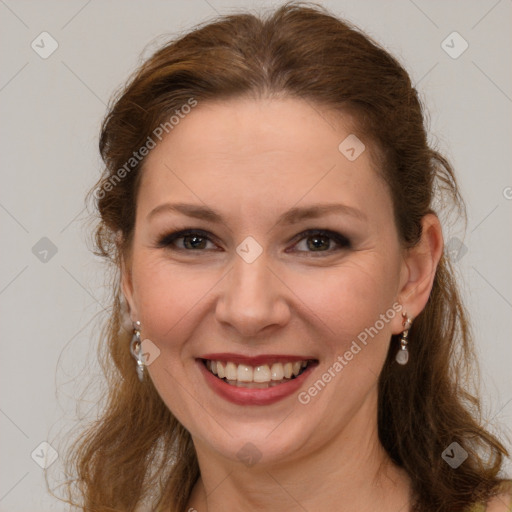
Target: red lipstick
column 254, row 396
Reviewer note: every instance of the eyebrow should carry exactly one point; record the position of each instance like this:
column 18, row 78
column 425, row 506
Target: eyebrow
column 291, row 216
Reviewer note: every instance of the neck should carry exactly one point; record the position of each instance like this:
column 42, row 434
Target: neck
column 352, row 472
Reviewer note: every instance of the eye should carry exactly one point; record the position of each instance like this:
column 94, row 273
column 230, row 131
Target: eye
column 186, row 240
column 310, row 241
column 321, row 240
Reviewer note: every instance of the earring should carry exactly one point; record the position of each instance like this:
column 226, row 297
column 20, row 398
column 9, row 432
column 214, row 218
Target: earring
column 136, row 350
column 402, row 355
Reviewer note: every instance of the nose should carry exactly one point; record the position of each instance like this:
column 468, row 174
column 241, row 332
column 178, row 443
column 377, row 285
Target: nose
column 253, row 300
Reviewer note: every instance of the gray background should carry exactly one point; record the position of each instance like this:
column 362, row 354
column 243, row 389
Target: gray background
column 51, row 110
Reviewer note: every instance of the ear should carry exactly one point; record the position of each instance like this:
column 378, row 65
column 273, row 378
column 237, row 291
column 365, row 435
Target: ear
column 419, row 267
column 127, row 285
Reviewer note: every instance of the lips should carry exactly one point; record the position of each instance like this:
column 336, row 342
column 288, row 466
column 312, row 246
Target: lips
column 257, row 380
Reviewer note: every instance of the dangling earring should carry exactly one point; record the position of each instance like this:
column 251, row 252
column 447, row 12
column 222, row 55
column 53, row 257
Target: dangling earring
column 402, row 356
column 136, row 350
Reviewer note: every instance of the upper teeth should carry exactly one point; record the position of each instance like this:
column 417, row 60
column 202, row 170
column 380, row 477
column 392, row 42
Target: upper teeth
column 262, row 373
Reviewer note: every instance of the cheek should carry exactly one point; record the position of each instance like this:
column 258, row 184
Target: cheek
column 350, row 297
column 168, row 297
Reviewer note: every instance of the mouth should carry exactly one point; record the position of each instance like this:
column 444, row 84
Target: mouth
column 261, row 380
column 261, row 376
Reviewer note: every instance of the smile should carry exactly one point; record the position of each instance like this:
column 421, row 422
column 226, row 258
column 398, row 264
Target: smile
column 261, row 380
column 259, row 376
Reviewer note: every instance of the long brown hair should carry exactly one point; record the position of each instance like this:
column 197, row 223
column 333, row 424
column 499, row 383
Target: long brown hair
column 137, row 451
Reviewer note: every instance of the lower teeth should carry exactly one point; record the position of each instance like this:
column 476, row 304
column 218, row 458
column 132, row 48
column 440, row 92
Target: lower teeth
column 256, row 385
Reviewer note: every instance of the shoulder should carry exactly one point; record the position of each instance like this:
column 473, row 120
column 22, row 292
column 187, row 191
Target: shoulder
column 502, row 502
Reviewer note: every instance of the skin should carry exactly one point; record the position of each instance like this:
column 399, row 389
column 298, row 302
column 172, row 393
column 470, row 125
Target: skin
column 251, row 160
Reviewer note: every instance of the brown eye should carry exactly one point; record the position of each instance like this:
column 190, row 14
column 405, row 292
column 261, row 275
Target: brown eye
column 321, row 241
column 194, row 242
column 186, row 240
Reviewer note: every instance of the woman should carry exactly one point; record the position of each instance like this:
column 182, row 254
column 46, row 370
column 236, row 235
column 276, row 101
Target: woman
column 268, row 204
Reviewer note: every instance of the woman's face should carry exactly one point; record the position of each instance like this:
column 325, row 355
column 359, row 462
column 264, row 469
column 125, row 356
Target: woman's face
column 294, row 258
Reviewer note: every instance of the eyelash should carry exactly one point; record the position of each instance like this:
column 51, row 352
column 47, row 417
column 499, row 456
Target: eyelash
column 168, row 240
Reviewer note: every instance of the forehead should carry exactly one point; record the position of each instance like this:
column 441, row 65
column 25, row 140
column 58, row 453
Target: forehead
column 248, row 150
column 250, row 128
